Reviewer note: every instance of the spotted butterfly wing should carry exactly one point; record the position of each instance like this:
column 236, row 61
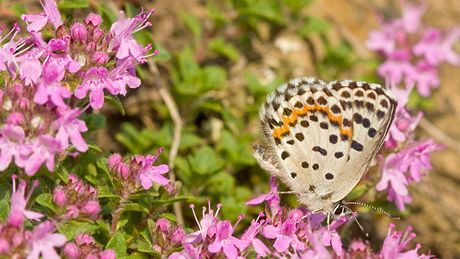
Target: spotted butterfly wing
column 323, row 136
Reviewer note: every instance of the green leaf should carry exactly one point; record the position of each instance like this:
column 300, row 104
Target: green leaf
column 313, row 25
column 163, row 54
column 115, row 101
column 193, row 24
column 188, row 67
column 189, row 140
column 213, row 77
column 94, row 121
column 105, row 192
column 157, row 203
column 46, row 200
column 4, row 207
column 19, row 9
column 134, row 207
column 297, row 5
column 73, row 4
column 219, row 46
column 205, row 161
column 118, row 244
column 71, row 228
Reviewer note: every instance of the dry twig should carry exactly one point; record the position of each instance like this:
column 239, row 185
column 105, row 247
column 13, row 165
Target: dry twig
column 178, row 123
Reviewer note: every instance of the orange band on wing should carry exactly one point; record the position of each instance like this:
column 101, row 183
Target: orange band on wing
column 291, row 119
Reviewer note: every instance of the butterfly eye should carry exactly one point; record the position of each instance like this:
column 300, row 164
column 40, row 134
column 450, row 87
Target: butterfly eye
column 338, row 210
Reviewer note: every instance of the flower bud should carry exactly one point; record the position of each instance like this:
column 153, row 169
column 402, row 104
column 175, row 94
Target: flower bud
column 16, row 218
column 15, row 118
column 4, row 246
column 100, row 58
column 92, row 208
column 94, row 19
column 178, row 236
column 114, row 160
column 59, row 197
column 71, row 251
column 79, row 32
column 107, row 254
column 97, row 34
column 163, row 225
column 84, row 239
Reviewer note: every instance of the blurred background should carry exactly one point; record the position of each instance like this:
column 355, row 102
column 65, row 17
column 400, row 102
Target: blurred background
column 217, row 62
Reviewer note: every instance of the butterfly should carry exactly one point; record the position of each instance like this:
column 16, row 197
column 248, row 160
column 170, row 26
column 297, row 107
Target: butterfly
column 321, row 137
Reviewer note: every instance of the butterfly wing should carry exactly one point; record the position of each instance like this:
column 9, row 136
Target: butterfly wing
column 311, row 133
column 372, row 109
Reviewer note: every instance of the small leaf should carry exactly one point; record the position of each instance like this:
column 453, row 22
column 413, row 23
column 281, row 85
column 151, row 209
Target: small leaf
column 94, row 121
column 46, row 200
column 193, row 24
column 134, row 207
column 72, row 228
column 118, row 244
column 73, row 4
column 115, row 101
column 205, row 161
column 313, row 25
column 221, row 47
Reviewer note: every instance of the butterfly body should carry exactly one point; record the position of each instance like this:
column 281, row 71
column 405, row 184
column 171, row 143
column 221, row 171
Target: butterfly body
column 321, row 137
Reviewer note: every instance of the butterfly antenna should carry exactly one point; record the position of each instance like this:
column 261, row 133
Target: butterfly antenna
column 371, row 207
column 361, row 227
column 288, row 192
column 349, row 211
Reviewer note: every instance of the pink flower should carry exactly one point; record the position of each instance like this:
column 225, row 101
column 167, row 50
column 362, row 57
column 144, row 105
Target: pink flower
column 207, row 225
column 395, row 243
column 411, row 17
column 425, row 77
column 12, row 145
column 396, row 67
column 19, row 202
column 95, row 80
column 272, row 198
column 124, row 74
column 224, row 239
column 402, row 128
column 30, row 68
column 58, row 55
column 43, row 148
column 123, row 28
column 436, row 49
column 149, row 174
column 402, row 168
column 43, row 241
column 69, row 127
column 285, row 235
column 37, row 22
column 50, row 87
column 249, row 238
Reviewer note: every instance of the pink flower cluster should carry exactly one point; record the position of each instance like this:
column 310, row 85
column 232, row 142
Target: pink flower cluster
column 18, row 242
column 295, row 233
column 168, row 237
column 86, row 247
column 45, row 79
column 140, row 171
column 403, row 168
column 77, row 199
column 413, row 53
column 412, row 50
